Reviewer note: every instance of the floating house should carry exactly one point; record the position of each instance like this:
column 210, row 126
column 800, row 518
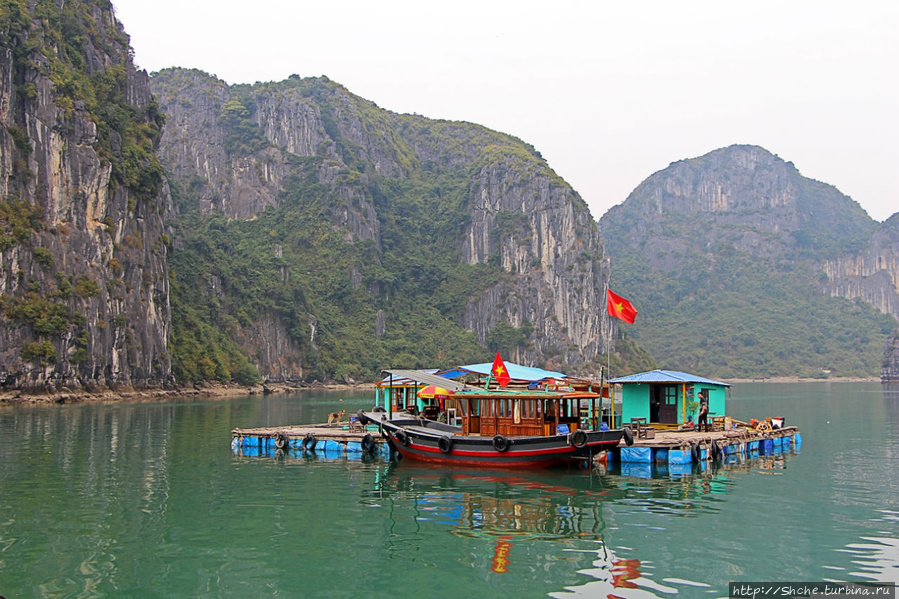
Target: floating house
column 669, row 397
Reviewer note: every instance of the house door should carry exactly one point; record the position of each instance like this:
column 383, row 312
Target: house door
column 655, row 402
column 668, row 405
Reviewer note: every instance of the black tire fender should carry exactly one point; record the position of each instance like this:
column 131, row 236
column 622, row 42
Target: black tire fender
column 578, row 438
column 696, row 453
column 402, row 436
column 309, row 442
column 500, row 443
column 361, row 418
column 368, row 443
column 715, row 450
column 282, row 441
column 445, row 443
column 628, row 437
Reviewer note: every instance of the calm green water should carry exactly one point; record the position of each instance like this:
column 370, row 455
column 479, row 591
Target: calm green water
column 149, row 501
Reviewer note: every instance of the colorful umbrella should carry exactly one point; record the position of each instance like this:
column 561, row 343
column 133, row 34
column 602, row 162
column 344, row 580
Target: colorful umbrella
column 432, row 391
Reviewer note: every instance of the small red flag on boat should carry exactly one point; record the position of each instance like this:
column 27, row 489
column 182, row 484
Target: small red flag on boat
column 620, row 308
column 499, row 371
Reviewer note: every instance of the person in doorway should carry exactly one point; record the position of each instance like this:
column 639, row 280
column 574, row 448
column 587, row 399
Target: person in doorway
column 702, row 423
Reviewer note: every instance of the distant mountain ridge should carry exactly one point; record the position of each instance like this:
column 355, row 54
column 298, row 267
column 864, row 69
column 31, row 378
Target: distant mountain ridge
column 730, row 256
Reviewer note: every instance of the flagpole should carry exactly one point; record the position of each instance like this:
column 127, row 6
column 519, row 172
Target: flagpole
column 609, row 349
column 609, row 321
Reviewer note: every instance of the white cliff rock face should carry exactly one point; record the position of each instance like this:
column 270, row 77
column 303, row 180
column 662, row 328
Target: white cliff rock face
column 241, row 185
column 553, row 253
column 89, row 283
column 872, row 275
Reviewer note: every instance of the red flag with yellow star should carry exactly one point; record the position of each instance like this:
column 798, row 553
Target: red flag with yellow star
column 620, row 308
column 499, row 371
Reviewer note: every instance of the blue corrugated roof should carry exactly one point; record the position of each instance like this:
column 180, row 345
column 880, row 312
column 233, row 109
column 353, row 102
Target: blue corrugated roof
column 516, row 371
column 666, row 376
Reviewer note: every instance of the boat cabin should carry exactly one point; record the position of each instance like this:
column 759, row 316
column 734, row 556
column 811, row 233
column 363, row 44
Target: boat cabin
column 669, row 397
column 399, row 393
column 536, row 401
column 522, row 412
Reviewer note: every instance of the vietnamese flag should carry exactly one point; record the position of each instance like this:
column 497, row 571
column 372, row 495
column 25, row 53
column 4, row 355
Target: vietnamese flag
column 499, row 371
column 620, row 308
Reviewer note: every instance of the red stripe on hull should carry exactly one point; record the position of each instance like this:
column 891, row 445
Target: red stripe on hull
column 509, row 459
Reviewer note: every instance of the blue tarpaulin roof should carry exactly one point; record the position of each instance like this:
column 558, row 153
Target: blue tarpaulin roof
column 516, row 371
column 666, row 376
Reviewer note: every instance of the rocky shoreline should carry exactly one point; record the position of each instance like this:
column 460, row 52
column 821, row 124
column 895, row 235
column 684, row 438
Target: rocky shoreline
column 69, row 396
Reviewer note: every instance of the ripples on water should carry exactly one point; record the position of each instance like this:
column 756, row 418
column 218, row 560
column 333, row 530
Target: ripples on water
column 148, row 501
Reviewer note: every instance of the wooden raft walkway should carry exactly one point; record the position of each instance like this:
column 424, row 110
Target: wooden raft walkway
column 343, row 438
column 670, row 438
column 678, row 447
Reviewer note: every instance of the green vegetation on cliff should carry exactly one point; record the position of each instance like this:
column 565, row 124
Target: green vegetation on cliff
column 733, row 289
column 291, row 264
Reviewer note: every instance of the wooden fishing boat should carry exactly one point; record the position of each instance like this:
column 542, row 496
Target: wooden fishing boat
column 535, row 425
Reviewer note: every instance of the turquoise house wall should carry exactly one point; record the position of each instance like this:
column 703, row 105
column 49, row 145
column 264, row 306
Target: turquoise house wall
column 717, row 398
column 634, row 402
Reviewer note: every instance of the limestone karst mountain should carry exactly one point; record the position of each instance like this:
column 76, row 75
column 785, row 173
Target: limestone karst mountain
column 745, row 268
column 437, row 239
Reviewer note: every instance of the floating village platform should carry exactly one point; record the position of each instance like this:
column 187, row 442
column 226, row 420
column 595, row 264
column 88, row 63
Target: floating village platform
column 674, row 448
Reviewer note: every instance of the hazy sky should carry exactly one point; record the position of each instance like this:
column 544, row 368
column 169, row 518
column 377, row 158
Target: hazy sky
column 608, row 93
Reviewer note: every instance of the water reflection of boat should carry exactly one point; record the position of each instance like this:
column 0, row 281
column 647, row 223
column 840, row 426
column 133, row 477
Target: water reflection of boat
column 513, row 514
column 478, row 503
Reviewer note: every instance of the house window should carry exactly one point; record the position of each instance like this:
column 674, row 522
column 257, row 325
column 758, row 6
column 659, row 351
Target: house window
column 671, row 396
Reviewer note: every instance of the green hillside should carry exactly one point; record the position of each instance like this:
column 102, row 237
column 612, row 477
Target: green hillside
column 290, row 261
column 733, row 289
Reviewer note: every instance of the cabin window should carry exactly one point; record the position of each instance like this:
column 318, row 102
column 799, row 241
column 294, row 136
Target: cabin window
column 528, row 409
column 502, row 408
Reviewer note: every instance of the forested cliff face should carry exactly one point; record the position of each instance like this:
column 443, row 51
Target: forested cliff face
column 736, row 255
column 375, row 239
column 83, row 279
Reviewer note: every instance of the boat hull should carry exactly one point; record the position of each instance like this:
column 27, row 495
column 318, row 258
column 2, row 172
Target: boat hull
column 427, row 441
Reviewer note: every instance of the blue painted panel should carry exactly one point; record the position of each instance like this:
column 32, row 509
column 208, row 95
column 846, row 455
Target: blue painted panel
column 676, row 456
column 636, row 455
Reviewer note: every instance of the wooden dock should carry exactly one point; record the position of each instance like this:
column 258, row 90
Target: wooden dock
column 319, row 438
column 686, row 447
